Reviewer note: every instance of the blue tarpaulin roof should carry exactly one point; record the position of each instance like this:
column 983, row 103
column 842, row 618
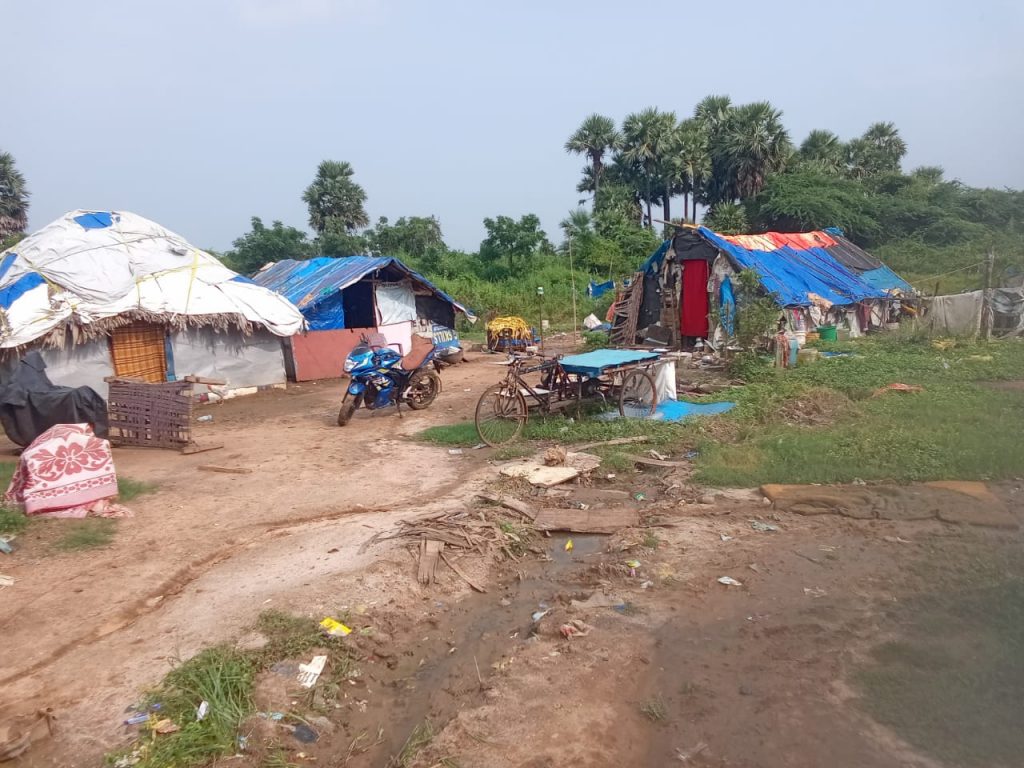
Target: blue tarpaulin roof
column 312, row 283
column 796, row 268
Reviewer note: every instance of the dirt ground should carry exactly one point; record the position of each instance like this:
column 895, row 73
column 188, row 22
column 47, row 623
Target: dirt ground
column 676, row 668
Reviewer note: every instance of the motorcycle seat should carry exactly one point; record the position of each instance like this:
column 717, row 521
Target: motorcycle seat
column 421, row 347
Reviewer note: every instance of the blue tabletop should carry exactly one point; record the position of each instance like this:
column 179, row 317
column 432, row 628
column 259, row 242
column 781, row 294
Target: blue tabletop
column 594, row 363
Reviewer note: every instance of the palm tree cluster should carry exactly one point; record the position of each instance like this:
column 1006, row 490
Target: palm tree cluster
column 13, row 199
column 720, row 155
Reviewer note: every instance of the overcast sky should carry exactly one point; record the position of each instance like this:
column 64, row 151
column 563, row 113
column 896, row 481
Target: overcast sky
column 202, row 113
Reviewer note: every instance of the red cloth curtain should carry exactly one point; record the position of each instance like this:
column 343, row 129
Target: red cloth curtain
column 693, row 305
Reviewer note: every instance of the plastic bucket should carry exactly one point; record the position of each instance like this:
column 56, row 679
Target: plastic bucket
column 828, row 333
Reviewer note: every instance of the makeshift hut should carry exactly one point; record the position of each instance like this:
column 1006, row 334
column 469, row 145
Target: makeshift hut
column 820, row 279
column 108, row 293
column 344, row 298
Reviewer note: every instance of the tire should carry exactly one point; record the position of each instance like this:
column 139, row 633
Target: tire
column 422, row 390
column 500, row 415
column 348, row 407
column 638, row 396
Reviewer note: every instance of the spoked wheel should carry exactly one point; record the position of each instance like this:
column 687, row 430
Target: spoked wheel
column 500, row 415
column 422, row 390
column 348, row 407
column 638, row 399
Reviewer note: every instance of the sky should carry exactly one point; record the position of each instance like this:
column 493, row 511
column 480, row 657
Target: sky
column 200, row 114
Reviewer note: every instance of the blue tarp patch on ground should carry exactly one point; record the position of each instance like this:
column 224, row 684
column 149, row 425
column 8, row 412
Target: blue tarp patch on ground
column 593, row 363
column 19, row 288
column 671, row 410
column 95, row 220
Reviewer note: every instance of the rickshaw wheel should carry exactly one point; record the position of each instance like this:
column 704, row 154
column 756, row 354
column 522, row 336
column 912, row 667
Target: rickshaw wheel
column 638, row 396
column 500, row 415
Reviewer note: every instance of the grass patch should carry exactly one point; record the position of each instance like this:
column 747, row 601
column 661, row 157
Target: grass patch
column 461, row 434
column 655, row 709
column 952, row 685
column 12, row 520
column 89, row 533
column 224, row 677
column 954, row 429
column 128, row 489
column 418, row 740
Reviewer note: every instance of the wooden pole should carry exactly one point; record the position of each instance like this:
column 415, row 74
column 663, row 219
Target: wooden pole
column 572, row 277
column 986, row 299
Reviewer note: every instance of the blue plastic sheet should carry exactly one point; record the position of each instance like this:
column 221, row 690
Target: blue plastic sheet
column 727, row 302
column 671, row 410
column 19, row 288
column 94, row 220
column 594, row 363
column 597, row 290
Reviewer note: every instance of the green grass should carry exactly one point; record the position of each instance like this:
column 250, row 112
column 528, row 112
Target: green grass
column 224, row 676
column 90, row 533
column 12, row 520
column 128, row 489
column 952, row 684
column 955, row 428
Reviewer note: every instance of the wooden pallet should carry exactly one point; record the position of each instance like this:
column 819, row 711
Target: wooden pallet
column 627, row 312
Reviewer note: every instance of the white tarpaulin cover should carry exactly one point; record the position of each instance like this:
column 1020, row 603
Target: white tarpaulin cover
column 88, row 266
column 396, row 303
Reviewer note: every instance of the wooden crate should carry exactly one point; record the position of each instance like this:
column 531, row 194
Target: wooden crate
column 150, row 415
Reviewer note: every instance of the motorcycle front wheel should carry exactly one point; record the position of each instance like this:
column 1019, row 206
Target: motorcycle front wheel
column 422, row 390
column 348, row 407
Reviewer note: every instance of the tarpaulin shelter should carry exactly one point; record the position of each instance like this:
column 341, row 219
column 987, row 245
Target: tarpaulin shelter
column 819, row 277
column 110, row 293
column 345, row 298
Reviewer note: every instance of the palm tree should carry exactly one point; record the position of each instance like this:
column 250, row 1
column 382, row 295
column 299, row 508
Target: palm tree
column 595, row 136
column 335, row 201
column 823, row 150
column 890, row 147
column 712, row 113
column 756, row 144
column 691, row 162
column 13, row 198
column 646, row 138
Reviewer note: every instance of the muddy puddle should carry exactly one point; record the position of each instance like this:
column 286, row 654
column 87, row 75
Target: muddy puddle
column 461, row 646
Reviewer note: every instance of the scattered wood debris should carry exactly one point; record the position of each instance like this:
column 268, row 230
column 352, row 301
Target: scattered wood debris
column 535, row 473
column 430, row 551
column 509, row 502
column 225, row 470
column 656, row 462
column 587, row 520
column 616, row 441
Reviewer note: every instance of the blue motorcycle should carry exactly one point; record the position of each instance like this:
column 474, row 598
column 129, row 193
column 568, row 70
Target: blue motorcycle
column 381, row 377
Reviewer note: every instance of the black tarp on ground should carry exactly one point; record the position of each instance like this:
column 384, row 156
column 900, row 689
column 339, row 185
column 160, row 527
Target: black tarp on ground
column 30, row 403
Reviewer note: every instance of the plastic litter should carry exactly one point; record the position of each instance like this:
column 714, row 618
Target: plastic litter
column 6, row 581
column 206, row 417
column 568, row 546
column 632, row 565
column 137, row 719
column 729, row 581
column 814, row 592
column 305, row 734
column 202, row 710
column 310, row 673
column 454, row 451
column 334, row 628
column 166, row 726
column 639, row 497
column 763, row 527
column 5, row 546
column 575, row 628
column 726, row 538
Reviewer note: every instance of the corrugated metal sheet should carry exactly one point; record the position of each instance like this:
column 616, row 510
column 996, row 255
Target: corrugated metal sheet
column 308, row 283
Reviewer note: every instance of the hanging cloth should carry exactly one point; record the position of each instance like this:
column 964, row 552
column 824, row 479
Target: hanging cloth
column 693, row 309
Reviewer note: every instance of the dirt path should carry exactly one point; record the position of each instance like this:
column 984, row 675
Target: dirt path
column 675, row 667
column 206, row 550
